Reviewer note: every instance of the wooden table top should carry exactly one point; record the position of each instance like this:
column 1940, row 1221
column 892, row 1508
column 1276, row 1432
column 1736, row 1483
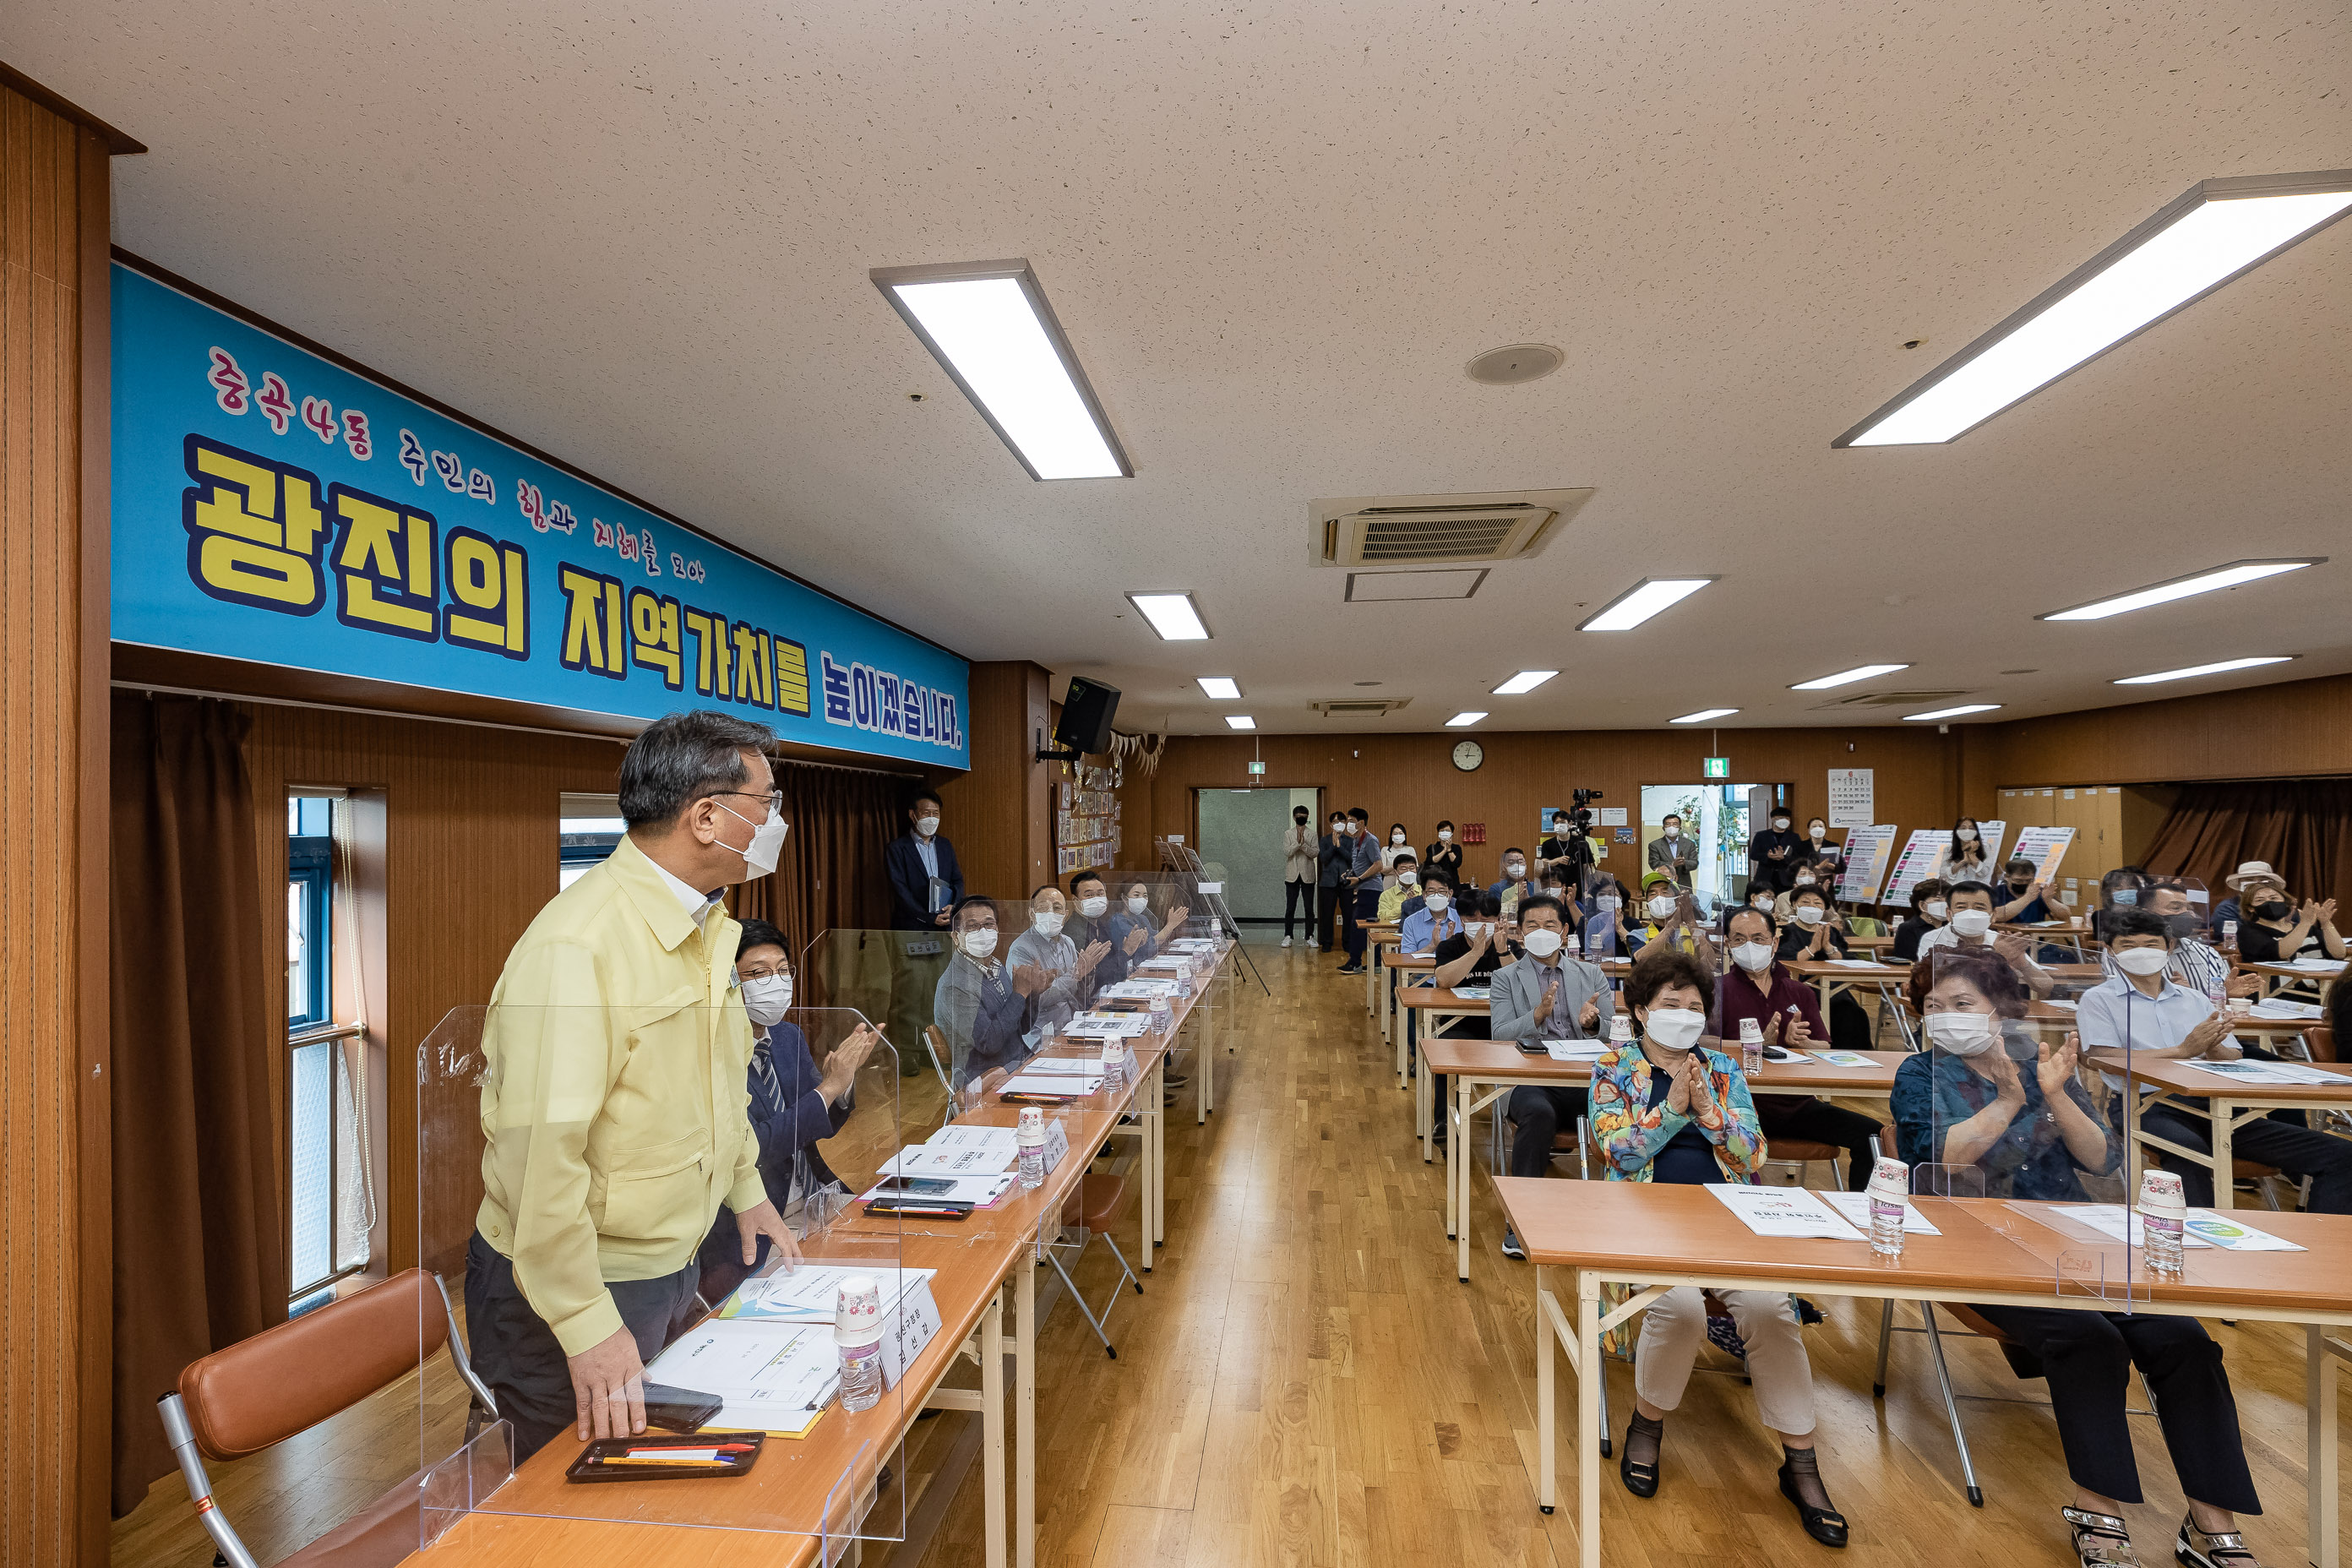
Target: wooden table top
column 1987, row 1244
column 1479, row 1057
column 1437, row 999
column 768, row 1514
column 2179, row 1076
column 1815, row 968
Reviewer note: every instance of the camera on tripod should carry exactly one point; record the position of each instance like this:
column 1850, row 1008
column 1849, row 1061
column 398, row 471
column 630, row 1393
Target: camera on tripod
column 1582, row 814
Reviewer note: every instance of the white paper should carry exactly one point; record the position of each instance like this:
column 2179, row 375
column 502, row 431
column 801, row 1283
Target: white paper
column 1857, row 963
column 980, row 1190
column 2060, row 1004
column 812, row 1291
column 2108, row 1219
column 1066, row 1067
column 1069, row 1085
column 1855, row 1208
column 1109, row 1026
column 2253, row 1071
column 2279, row 1011
column 1844, row 1058
column 771, row 1376
column 1144, row 989
column 1791, row 1212
column 1851, row 797
column 1577, row 1050
column 2232, row 1234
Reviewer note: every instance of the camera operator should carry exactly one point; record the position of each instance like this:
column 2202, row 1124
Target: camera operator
column 1565, row 850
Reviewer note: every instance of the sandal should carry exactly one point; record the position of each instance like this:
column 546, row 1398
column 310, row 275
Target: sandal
column 1641, row 1478
column 1826, row 1525
column 2196, row 1549
column 2100, row 1540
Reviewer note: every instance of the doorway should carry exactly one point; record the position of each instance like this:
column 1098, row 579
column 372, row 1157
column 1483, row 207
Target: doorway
column 1721, row 817
column 1241, row 830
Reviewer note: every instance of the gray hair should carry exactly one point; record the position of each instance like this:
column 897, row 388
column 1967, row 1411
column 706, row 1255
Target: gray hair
column 681, row 757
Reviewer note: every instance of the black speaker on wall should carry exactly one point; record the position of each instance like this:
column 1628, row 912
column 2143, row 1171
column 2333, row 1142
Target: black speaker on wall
column 1086, row 714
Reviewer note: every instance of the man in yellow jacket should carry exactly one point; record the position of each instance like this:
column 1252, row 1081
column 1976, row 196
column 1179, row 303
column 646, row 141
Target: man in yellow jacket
column 614, row 1107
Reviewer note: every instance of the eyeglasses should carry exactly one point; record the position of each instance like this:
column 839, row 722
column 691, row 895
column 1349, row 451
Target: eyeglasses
column 775, row 798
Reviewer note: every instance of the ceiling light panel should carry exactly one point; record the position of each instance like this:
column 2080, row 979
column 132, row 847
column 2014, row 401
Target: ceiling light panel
column 1859, row 672
column 2229, row 576
column 1962, row 711
column 1218, row 688
column 1704, row 715
column 1527, row 680
column 2223, row 668
column 1642, row 600
column 2213, row 232
column 1462, row 721
column 1171, row 614
column 1240, row 721
column 989, row 325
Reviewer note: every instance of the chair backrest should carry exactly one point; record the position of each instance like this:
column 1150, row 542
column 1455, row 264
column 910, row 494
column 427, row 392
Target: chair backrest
column 286, row 1379
column 2321, row 1040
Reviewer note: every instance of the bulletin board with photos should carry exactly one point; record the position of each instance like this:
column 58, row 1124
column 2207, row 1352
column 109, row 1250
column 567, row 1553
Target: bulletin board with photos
column 1086, row 819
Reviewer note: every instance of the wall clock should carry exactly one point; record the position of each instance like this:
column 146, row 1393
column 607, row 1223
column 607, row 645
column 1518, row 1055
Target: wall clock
column 1468, row 754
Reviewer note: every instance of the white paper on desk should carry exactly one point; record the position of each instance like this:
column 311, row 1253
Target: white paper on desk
column 1473, row 993
column 2108, row 1219
column 1109, row 1025
column 812, row 1291
column 999, row 1140
column 1145, row 989
column 1855, row 1208
column 1845, row 1059
column 1857, row 963
column 2061, row 1005
column 2275, row 1009
column 2234, row 1235
column 2253, row 1070
column 1064, row 1067
column 768, row 1373
column 1792, row 1212
column 2316, row 965
column 1069, row 1085
column 949, row 1160
column 1577, row 1050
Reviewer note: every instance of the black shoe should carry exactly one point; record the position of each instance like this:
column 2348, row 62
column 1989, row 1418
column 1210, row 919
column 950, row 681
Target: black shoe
column 1825, row 1525
column 1641, row 1479
column 1511, row 1247
column 2195, row 1549
column 1350, row 969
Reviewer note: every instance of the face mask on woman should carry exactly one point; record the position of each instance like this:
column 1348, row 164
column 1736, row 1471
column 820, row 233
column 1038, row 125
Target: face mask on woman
column 1137, row 903
column 1817, row 833
column 1972, row 923
column 1446, row 836
column 979, row 944
column 1761, row 901
column 1965, row 835
column 1659, row 908
column 1396, row 837
column 768, row 997
column 1609, row 901
column 2274, row 909
column 1674, row 1029
column 1808, row 915
column 1752, row 956
column 1933, row 908
column 1543, row 942
column 1805, row 880
column 1047, row 923
column 1092, row 908
column 1960, row 1033
column 2143, row 960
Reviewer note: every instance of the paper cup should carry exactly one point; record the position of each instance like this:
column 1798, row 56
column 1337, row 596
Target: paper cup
column 857, row 1315
column 1890, row 1179
column 1621, row 1029
column 2161, row 1195
column 1033, row 1126
column 1751, row 1032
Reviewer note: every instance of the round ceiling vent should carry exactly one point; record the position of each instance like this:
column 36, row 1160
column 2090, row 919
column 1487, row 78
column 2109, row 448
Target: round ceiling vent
column 1510, row 366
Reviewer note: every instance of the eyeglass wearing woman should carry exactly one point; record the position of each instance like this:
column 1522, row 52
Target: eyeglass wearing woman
column 1991, row 1097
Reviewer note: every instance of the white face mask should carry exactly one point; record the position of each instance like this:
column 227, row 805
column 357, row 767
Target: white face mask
column 1047, row 923
column 1674, row 830
column 767, row 840
column 1807, row 915
column 979, row 944
column 768, row 998
column 1515, row 869
column 1762, row 903
column 1092, row 908
column 1609, row 902
column 1542, row 943
column 1446, row 836
column 1817, row 833
column 1804, row 882
column 1396, row 837
column 1972, row 923
column 1674, row 1029
column 1479, row 931
column 2143, row 960
column 1137, row 903
column 1659, row 908
column 1339, row 830
column 1407, row 878
column 1960, row 1033
column 1437, row 903
column 927, row 825
column 1965, row 835
column 1779, row 825
column 1933, row 908
column 1752, row 956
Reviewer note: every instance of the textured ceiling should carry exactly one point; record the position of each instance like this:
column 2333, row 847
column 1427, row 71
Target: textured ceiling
column 1275, row 234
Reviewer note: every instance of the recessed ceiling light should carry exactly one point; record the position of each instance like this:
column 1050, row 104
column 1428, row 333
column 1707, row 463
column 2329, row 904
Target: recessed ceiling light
column 1171, row 614
column 1640, row 602
column 2223, row 667
column 1702, row 715
column 1460, row 720
column 1219, row 687
column 1527, row 680
column 1964, row 708
column 1240, row 721
column 1859, row 672
column 988, row 323
column 2214, row 232
column 2164, row 593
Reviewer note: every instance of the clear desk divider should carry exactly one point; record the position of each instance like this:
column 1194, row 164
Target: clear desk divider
column 576, row 1168
column 2022, row 1116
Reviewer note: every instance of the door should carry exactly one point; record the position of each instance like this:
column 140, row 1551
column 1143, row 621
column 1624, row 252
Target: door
column 1241, row 830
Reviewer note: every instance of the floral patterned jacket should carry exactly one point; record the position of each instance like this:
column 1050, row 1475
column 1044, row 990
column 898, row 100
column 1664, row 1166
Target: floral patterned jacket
column 1630, row 1130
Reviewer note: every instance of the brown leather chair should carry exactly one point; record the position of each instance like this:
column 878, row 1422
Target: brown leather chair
column 284, row 1380
column 1097, row 1202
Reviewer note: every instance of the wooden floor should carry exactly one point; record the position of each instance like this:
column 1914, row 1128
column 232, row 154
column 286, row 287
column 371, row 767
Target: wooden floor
column 1304, row 1382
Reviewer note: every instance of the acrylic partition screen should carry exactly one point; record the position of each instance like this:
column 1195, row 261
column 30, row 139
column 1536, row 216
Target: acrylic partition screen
column 576, row 1168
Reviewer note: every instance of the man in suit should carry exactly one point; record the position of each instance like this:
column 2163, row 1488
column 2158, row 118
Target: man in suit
column 925, row 883
column 1545, row 995
column 1331, row 864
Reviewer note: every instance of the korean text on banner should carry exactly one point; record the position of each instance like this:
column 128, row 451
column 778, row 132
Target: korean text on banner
column 270, row 506
column 1868, row 852
column 1918, row 862
column 2045, row 847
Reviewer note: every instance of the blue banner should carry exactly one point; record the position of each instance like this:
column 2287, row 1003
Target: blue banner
column 270, row 506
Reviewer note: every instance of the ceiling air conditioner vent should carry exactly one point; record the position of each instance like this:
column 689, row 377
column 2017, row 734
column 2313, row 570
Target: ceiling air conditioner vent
column 1887, row 699
column 1359, row 707
column 1453, row 530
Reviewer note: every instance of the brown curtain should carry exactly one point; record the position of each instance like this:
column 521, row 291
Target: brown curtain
column 2302, row 826
column 199, row 1233
column 830, row 876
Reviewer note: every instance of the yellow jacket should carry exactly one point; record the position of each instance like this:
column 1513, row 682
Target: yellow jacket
column 614, row 1108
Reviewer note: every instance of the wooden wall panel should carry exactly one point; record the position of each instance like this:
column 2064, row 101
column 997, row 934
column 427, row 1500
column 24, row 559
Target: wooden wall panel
column 996, row 814
column 1412, row 779
column 2296, row 729
column 49, row 203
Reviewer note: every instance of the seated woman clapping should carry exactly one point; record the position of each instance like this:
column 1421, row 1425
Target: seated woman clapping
column 1667, row 1109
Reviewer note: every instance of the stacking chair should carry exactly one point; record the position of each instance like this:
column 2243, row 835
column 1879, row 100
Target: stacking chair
column 284, row 1380
column 1804, row 1154
column 1095, row 1205
column 936, row 1043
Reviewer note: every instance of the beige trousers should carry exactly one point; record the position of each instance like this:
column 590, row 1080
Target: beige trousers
column 1778, row 1368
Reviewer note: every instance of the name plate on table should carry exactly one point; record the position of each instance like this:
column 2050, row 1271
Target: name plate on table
column 910, row 1326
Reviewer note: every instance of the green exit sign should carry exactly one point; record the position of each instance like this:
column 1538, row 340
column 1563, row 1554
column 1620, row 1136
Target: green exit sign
column 1257, row 770
column 1718, row 767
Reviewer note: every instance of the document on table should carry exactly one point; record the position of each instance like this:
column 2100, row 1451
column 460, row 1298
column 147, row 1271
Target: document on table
column 1844, row 1058
column 2108, row 1219
column 1053, row 1085
column 2312, row 965
column 1072, row 1067
column 1792, row 1212
column 2063, row 1006
column 812, row 1292
column 1113, row 1025
column 772, row 1376
column 1474, row 993
column 1855, row 1208
column 1857, row 963
column 1139, row 988
column 980, row 1191
column 1577, row 1050
column 976, row 1158
column 2253, row 1070
column 2275, row 1009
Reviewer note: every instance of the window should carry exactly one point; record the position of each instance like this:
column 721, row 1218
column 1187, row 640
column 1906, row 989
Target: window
column 587, row 831
column 330, row 1202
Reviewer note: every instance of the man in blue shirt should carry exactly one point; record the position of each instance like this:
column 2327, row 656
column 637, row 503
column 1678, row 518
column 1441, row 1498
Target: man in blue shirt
column 1359, row 887
column 2141, row 1005
column 1423, row 928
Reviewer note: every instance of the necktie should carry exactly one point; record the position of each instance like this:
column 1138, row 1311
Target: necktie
column 763, row 1068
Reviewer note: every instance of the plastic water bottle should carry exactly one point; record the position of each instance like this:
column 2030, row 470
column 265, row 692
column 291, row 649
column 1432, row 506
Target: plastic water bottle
column 1045, row 1035
column 1890, row 1184
column 1114, row 1063
column 857, row 1334
column 1031, row 1138
column 2163, row 1216
column 1751, row 1046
